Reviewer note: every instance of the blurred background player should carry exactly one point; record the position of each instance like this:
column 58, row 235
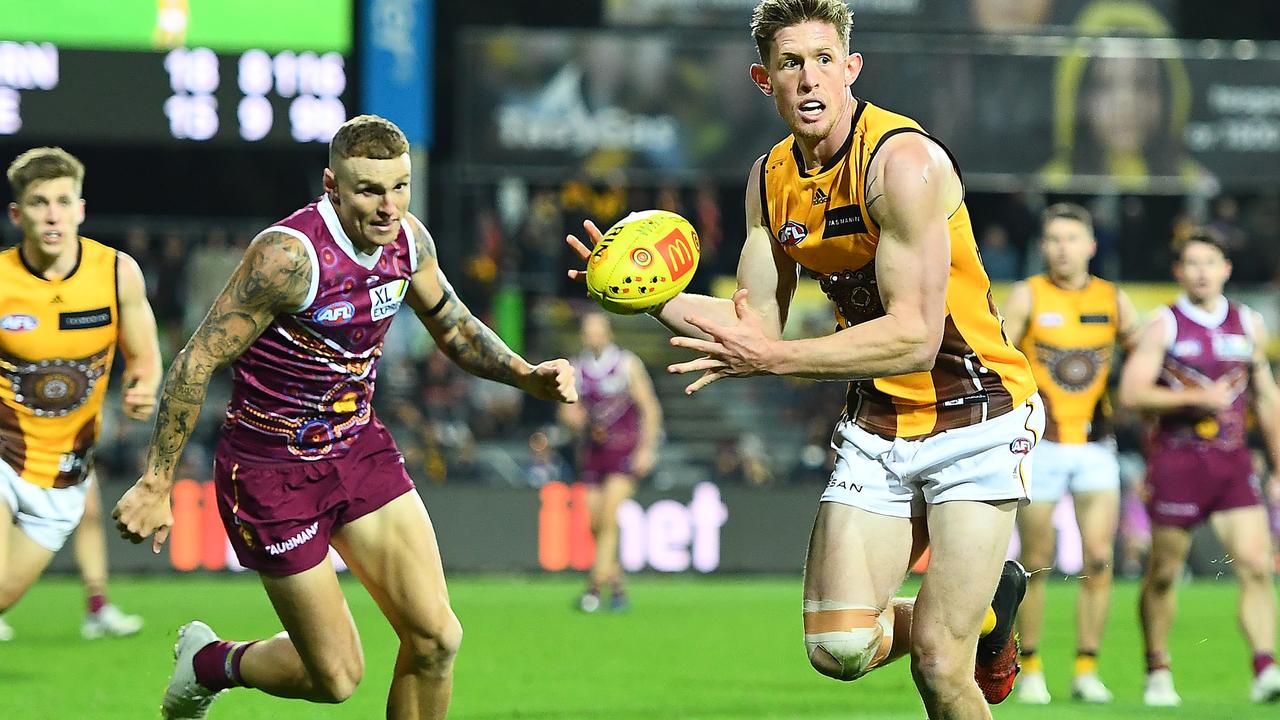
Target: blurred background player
column 65, row 304
column 308, row 309
column 618, row 421
column 1067, row 323
column 942, row 413
column 1197, row 366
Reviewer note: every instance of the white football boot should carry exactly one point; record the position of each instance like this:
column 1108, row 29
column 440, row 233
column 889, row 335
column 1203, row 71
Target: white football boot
column 185, row 698
column 1032, row 690
column 109, row 622
column 1159, row 691
column 1089, row 688
column 1266, row 687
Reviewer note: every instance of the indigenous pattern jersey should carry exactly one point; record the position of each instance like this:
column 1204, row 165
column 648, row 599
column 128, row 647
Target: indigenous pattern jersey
column 57, row 341
column 1202, row 348
column 604, row 386
column 821, row 221
column 303, row 389
column 1070, row 341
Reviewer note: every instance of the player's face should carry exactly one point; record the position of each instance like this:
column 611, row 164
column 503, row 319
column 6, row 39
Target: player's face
column 1202, row 271
column 49, row 213
column 596, row 334
column 808, row 74
column 371, row 196
column 1068, row 245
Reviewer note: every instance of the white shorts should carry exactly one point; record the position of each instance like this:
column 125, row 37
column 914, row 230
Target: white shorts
column 47, row 515
column 987, row 462
column 1076, row 468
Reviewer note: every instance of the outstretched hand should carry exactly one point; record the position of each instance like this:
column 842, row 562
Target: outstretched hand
column 739, row 350
column 552, row 380
column 583, row 250
column 143, row 511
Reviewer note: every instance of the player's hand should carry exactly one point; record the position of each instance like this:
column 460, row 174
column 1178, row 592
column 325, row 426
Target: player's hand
column 1222, row 393
column 738, row 350
column 643, row 462
column 552, row 380
column 583, row 250
column 143, row 511
column 139, row 397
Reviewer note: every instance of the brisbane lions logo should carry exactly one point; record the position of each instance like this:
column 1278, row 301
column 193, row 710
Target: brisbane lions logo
column 792, row 233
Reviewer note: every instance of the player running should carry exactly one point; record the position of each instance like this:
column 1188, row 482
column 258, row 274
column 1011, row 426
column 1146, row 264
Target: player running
column 65, row 303
column 303, row 462
column 1198, row 365
column 1067, row 322
column 942, row 413
column 619, row 422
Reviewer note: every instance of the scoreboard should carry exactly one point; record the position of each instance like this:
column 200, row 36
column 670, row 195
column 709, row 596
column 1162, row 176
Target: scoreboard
column 147, row 73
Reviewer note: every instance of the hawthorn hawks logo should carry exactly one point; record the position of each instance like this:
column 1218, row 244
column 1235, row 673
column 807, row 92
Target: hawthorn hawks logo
column 792, row 233
column 1020, row 446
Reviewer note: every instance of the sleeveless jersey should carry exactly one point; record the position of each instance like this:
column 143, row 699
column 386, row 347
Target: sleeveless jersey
column 604, row 389
column 57, row 341
column 303, row 389
column 1203, row 347
column 822, row 223
column 1070, row 341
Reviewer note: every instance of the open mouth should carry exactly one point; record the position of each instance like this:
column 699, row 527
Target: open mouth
column 52, row 235
column 811, row 110
column 384, row 225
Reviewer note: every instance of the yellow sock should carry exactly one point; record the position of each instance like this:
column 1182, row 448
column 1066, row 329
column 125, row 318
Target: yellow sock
column 1031, row 663
column 988, row 623
column 1086, row 664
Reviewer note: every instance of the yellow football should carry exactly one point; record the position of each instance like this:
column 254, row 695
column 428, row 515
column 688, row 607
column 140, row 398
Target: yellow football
column 643, row 261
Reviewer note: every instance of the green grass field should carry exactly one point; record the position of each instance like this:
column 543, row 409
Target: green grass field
column 691, row 648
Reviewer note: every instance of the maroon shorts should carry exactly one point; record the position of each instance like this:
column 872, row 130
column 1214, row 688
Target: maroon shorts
column 279, row 516
column 599, row 463
column 1188, row 484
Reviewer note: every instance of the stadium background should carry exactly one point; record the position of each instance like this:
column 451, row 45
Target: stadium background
column 527, row 117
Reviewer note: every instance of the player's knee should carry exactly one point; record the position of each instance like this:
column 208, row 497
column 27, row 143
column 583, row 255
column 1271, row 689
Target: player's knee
column 433, row 646
column 846, row 644
column 941, row 667
column 1161, row 576
column 1097, row 563
column 1253, row 569
column 338, row 678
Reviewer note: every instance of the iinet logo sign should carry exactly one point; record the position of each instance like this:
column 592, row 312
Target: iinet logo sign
column 669, row 536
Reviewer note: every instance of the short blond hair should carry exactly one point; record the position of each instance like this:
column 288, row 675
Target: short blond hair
column 770, row 16
column 43, row 163
column 367, row 136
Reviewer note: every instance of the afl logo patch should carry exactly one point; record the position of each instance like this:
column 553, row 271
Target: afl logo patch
column 1020, row 446
column 792, row 233
column 18, row 323
column 333, row 314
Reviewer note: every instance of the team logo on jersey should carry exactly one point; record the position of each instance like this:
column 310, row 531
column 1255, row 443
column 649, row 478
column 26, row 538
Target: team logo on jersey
column 18, row 323
column 386, row 298
column 792, row 233
column 1020, row 446
column 1232, row 347
column 334, row 314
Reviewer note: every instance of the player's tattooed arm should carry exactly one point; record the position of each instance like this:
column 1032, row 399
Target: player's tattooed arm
column 274, row 276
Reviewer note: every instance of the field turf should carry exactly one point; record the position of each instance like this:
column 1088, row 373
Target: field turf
column 713, row 648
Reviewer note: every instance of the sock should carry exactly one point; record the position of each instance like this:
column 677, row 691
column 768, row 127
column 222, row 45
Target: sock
column 593, row 588
column 1086, row 662
column 97, row 601
column 988, row 622
column 618, row 590
column 1030, row 660
column 217, row 664
column 1157, row 661
column 1262, row 661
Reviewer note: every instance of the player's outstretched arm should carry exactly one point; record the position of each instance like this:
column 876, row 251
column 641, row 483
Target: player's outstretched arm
column 1138, row 380
column 470, row 343
column 273, row 277
column 763, row 269
column 139, row 343
column 916, row 188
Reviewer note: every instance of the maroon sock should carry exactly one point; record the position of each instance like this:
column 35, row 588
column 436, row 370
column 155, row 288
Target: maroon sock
column 1262, row 661
column 1157, row 661
column 217, row 664
column 97, row 601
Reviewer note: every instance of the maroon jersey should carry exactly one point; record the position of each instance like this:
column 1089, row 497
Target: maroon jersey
column 303, row 389
column 604, row 389
column 1202, row 348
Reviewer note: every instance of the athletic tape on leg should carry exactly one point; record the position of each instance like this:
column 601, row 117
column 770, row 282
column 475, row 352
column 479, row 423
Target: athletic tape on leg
column 856, row 638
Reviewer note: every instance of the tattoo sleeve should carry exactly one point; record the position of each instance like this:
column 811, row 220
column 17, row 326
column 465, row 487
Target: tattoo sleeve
column 273, row 276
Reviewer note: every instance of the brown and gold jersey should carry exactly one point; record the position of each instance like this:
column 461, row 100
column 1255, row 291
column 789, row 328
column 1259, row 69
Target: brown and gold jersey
column 57, row 341
column 1070, row 340
column 822, row 223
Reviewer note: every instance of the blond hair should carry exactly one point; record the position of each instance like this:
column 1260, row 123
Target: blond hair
column 43, row 163
column 367, row 136
column 770, row 16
